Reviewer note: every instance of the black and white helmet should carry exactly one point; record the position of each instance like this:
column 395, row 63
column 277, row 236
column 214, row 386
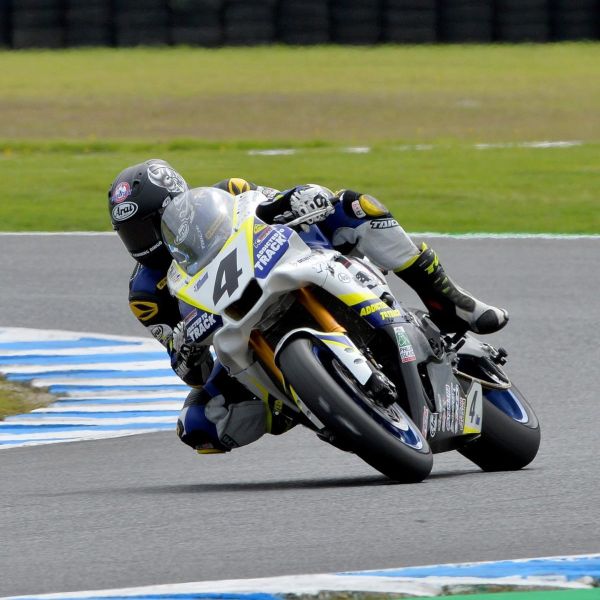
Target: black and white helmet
column 136, row 200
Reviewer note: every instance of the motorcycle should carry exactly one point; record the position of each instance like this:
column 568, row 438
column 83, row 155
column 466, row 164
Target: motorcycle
column 320, row 336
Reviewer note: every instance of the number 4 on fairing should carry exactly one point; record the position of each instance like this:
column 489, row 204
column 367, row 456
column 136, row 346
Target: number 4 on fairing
column 227, row 277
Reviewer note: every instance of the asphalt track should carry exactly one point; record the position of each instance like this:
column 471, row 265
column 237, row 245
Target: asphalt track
column 146, row 510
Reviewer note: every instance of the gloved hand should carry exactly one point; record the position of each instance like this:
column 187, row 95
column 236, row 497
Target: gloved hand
column 192, row 362
column 311, row 198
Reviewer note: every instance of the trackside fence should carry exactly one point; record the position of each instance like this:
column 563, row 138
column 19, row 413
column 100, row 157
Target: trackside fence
column 210, row 23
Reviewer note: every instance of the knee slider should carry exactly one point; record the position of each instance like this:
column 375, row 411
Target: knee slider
column 237, row 424
column 195, row 430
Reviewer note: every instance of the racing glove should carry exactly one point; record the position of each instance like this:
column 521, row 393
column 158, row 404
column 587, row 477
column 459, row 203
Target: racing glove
column 314, row 201
column 192, row 362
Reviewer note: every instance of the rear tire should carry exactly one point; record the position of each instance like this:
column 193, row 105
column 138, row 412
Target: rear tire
column 339, row 403
column 505, row 444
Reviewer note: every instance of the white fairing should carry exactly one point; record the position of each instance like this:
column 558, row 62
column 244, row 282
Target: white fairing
column 284, row 268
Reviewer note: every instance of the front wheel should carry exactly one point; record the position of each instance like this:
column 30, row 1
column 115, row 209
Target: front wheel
column 385, row 438
column 510, row 434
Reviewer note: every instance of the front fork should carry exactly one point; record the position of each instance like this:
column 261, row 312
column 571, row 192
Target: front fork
column 319, row 313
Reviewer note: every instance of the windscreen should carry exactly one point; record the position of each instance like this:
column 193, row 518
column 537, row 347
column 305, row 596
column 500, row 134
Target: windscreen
column 196, row 225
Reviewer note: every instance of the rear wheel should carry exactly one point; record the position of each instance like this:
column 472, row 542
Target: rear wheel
column 385, row 438
column 510, row 435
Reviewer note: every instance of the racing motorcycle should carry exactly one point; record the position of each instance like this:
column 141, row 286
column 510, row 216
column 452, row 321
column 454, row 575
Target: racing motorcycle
column 319, row 335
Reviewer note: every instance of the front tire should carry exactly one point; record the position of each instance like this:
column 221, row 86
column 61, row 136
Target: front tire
column 337, row 400
column 510, row 435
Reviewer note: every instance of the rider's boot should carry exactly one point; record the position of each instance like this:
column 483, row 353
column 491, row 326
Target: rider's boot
column 451, row 308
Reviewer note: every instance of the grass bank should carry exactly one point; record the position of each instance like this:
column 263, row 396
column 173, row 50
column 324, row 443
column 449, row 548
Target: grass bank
column 350, row 94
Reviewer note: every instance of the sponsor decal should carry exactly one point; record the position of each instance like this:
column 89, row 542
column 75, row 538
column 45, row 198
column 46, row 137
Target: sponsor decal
column 200, row 282
column 163, row 333
column 425, row 423
column 121, row 192
column 433, row 424
column 344, row 277
column 401, row 337
column 124, row 211
column 382, row 309
column 190, row 316
column 377, row 306
column 357, row 209
column 228, row 441
column 447, row 401
column 147, row 251
column 258, row 227
column 173, row 274
column 261, row 235
column 384, row 224
column 365, row 280
column 182, row 232
column 407, row 354
column 166, row 177
column 320, row 267
column 269, row 192
column 452, row 417
column 199, row 326
column 462, row 406
column 271, row 249
column 210, row 232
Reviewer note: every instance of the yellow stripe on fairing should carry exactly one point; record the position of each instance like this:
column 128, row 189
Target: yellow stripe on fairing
column 357, row 297
column 332, row 343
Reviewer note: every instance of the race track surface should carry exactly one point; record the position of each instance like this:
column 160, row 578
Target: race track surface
column 145, row 509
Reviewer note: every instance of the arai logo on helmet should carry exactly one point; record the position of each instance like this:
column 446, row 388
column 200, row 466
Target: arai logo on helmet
column 121, row 192
column 123, row 211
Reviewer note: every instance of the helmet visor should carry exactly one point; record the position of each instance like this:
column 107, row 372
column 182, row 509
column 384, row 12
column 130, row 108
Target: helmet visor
column 196, row 225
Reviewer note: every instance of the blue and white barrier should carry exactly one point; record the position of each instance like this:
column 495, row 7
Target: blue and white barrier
column 564, row 572
column 105, row 386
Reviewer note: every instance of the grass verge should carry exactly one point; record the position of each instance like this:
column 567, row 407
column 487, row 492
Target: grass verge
column 447, row 186
column 16, row 399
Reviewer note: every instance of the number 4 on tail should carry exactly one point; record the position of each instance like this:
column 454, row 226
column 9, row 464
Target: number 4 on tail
column 474, row 409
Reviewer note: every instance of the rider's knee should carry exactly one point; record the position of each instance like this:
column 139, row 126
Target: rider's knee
column 213, row 425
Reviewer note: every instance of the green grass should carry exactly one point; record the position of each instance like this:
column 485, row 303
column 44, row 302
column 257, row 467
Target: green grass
column 16, row 399
column 71, row 120
column 452, row 187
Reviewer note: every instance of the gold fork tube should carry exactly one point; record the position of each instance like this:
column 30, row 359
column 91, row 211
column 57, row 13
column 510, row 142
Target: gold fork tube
column 321, row 315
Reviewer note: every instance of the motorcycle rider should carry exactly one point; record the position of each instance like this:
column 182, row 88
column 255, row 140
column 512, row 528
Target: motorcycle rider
column 219, row 413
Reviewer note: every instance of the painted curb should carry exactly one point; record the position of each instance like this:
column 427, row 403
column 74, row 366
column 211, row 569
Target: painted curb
column 105, row 386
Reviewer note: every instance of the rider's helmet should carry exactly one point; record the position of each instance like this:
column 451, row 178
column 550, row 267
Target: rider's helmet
column 136, row 200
